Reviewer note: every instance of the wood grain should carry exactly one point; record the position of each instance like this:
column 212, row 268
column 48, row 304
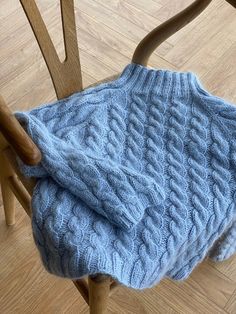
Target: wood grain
column 231, row 305
column 20, row 141
column 66, row 75
column 162, row 32
column 107, row 34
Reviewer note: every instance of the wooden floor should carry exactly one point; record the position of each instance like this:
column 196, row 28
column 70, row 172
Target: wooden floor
column 108, row 32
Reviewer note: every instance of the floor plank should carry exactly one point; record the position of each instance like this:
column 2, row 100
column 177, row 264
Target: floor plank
column 231, row 305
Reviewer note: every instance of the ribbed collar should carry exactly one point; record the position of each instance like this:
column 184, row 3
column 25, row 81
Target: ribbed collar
column 163, row 82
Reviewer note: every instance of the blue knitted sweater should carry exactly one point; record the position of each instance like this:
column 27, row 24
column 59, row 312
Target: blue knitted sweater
column 137, row 178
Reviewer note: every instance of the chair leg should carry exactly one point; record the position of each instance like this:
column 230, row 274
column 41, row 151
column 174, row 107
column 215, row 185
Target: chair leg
column 99, row 288
column 8, row 202
column 7, row 194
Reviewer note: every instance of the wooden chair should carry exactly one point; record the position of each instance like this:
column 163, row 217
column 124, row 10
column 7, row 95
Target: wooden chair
column 67, row 79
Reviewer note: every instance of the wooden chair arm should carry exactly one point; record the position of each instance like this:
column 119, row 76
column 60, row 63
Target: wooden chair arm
column 232, row 2
column 159, row 34
column 16, row 136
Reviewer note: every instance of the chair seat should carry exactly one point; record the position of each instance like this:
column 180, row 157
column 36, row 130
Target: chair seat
column 105, row 80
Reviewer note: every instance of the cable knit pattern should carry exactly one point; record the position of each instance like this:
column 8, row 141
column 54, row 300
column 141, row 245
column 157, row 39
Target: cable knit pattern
column 220, row 171
column 135, row 127
column 137, row 178
column 198, row 169
column 198, row 187
column 176, row 169
column 116, row 124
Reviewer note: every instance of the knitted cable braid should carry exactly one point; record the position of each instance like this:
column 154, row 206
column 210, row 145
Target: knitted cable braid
column 137, row 178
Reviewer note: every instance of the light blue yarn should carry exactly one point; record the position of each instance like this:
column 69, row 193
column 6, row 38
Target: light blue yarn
column 137, row 178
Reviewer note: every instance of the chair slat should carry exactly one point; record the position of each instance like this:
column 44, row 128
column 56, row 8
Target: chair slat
column 10, row 157
column 66, row 76
column 7, row 195
column 69, row 30
column 20, row 193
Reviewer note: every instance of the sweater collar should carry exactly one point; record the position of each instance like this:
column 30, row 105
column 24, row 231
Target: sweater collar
column 161, row 81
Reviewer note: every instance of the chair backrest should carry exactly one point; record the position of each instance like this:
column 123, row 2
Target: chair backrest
column 66, row 75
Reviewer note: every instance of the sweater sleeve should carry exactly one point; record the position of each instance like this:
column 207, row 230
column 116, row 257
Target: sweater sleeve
column 116, row 192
